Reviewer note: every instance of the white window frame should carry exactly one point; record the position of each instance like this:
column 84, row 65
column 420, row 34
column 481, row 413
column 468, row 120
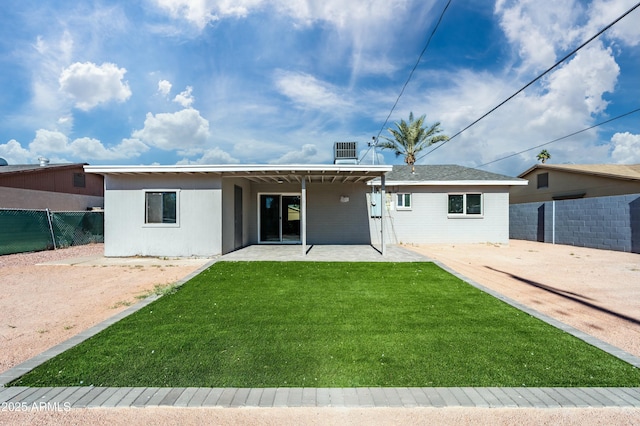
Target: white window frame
column 465, row 214
column 157, row 224
column 400, row 201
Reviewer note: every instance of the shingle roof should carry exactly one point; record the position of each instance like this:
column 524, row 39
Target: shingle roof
column 619, row 171
column 443, row 173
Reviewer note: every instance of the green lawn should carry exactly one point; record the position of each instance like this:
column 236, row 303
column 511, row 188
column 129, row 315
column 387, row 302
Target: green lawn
column 269, row 324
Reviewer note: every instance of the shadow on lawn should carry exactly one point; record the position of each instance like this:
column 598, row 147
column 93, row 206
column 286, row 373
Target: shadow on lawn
column 578, row 298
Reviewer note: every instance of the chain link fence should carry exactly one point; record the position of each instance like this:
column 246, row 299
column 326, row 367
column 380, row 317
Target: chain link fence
column 36, row 230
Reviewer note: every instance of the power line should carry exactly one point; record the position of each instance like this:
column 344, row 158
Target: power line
column 561, row 138
column 410, row 75
column 573, row 52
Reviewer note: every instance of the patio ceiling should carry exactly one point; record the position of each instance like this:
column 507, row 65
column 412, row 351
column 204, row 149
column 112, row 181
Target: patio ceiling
column 325, row 173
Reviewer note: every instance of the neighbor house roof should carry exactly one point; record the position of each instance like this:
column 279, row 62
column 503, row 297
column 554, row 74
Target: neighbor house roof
column 446, row 175
column 261, row 173
column 36, row 168
column 615, row 171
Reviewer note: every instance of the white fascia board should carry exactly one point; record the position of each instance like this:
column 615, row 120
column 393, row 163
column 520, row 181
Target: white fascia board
column 451, row 183
column 227, row 168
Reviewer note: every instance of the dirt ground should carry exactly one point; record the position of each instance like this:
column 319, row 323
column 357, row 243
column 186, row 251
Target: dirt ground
column 43, row 305
column 594, row 290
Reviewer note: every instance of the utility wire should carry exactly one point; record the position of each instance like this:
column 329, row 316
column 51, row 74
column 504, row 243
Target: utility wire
column 573, row 52
column 561, row 138
column 410, row 75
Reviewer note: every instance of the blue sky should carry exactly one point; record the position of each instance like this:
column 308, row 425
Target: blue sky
column 279, row 81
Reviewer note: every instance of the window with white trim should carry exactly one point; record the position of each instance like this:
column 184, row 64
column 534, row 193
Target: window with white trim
column 161, row 207
column 465, row 204
column 403, row 201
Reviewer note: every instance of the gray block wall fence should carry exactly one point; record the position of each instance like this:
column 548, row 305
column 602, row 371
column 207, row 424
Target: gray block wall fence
column 610, row 223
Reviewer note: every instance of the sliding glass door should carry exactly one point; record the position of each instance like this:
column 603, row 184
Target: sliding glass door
column 279, row 218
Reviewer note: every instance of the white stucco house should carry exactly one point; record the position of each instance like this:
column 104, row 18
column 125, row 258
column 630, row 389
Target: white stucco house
column 207, row 210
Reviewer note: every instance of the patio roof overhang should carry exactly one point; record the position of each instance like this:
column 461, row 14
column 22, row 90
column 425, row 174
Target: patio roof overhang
column 261, row 173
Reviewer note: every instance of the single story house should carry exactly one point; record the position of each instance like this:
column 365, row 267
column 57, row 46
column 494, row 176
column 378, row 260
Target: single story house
column 548, row 182
column 207, row 210
column 58, row 187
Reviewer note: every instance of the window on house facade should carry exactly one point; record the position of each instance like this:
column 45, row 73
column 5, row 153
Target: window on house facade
column 79, row 180
column 465, row 204
column 403, row 201
column 161, row 207
column 543, row 180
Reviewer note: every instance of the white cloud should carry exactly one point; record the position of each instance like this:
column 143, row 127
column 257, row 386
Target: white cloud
column 90, row 85
column 583, row 81
column 626, row 148
column 202, row 12
column 47, row 141
column 164, row 87
column 603, row 12
column 168, row 131
column 184, row 98
column 55, row 144
column 309, row 92
column 308, row 154
column 357, row 23
column 212, row 156
column 89, row 148
column 538, row 29
column 14, row 153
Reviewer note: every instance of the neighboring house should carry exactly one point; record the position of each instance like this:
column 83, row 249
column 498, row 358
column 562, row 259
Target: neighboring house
column 443, row 204
column 207, row 210
column 549, row 182
column 58, row 187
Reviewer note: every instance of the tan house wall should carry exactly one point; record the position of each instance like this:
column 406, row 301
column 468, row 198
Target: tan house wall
column 566, row 184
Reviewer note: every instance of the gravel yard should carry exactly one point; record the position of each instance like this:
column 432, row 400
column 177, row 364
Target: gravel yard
column 42, row 305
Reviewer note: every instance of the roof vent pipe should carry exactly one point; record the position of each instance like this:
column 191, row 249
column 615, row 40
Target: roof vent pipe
column 43, row 161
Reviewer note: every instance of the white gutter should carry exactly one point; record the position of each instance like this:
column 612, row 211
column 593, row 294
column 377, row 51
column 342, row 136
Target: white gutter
column 451, row 183
column 227, row 168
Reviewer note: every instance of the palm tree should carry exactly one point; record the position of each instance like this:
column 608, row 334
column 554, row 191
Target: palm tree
column 543, row 156
column 411, row 137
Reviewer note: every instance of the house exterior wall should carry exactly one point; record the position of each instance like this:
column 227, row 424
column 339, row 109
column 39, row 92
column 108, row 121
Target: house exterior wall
column 197, row 233
column 14, row 198
column 329, row 221
column 228, row 213
column 428, row 221
column 562, row 183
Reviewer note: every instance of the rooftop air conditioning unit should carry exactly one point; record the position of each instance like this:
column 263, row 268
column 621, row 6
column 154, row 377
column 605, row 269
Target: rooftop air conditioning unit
column 345, row 153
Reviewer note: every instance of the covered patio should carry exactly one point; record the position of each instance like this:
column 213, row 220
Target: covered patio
column 324, row 253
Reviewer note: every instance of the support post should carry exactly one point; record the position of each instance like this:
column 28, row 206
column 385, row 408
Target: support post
column 303, row 216
column 53, row 237
column 383, row 207
column 553, row 222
